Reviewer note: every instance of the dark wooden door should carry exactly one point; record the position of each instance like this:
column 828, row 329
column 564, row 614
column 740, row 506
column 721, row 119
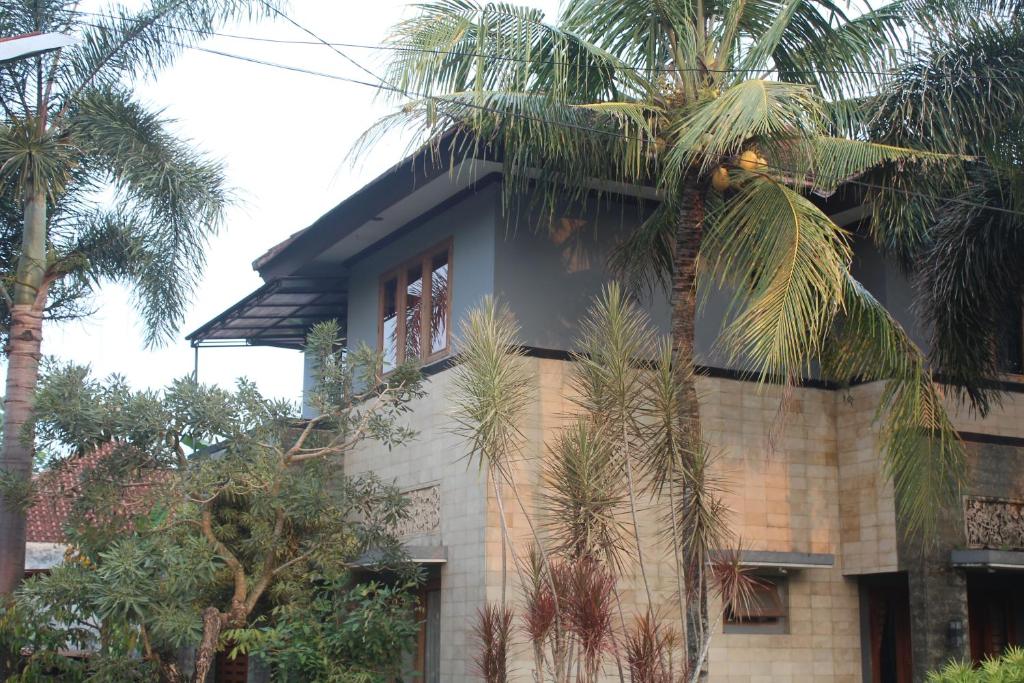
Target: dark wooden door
column 888, row 615
column 995, row 613
column 231, row 670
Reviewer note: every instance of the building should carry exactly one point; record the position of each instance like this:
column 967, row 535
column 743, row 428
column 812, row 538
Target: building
column 850, row 601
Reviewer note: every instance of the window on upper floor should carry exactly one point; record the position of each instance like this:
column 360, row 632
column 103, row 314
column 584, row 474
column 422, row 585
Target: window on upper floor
column 766, row 609
column 415, row 308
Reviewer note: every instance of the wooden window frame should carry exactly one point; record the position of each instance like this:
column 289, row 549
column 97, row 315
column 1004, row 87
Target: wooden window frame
column 400, row 273
column 780, row 625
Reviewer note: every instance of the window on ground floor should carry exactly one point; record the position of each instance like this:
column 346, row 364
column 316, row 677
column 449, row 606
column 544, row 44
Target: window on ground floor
column 415, row 308
column 766, row 609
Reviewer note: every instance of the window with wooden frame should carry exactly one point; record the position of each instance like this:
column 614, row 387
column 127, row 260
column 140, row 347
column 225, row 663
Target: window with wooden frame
column 766, row 609
column 414, row 320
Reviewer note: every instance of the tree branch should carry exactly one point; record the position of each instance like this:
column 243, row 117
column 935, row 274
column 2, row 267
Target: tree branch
column 237, row 570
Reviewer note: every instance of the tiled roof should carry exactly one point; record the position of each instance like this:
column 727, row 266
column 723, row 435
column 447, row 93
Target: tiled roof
column 57, row 489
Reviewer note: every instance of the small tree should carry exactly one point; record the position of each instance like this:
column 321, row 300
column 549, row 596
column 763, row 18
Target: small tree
column 247, row 515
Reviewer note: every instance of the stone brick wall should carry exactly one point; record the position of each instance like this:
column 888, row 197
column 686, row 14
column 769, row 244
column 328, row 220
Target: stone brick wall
column 781, row 474
column 866, row 502
column 803, row 474
column 437, row 457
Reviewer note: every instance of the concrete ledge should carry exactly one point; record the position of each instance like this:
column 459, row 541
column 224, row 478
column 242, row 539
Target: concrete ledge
column 988, row 559
column 420, row 554
column 786, row 560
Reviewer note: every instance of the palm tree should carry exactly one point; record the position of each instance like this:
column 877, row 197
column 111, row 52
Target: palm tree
column 961, row 92
column 729, row 109
column 106, row 191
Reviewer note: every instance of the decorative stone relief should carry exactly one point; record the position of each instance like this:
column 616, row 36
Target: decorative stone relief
column 424, row 512
column 994, row 523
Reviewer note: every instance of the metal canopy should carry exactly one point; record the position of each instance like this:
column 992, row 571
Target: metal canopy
column 279, row 313
column 31, row 44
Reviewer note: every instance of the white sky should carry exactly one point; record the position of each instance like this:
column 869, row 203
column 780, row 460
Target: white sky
column 284, row 138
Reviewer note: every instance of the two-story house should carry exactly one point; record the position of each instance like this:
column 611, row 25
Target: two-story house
column 402, row 261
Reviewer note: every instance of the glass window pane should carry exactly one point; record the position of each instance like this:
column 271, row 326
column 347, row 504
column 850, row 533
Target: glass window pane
column 439, row 302
column 413, row 310
column 389, row 324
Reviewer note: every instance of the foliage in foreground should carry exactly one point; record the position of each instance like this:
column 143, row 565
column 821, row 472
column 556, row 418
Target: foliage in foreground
column 1006, row 669
column 247, row 527
column 621, row 452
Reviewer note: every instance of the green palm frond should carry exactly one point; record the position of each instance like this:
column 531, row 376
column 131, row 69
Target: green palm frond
column 177, row 195
column 787, row 262
column 757, row 58
column 924, row 456
column 643, row 259
column 34, row 160
column 723, row 126
column 957, row 94
column 123, row 43
column 844, row 57
column 971, row 285
column 146, row 162
column 465, row 46
column 649, row 35
column 823, row 163
column 560, row 151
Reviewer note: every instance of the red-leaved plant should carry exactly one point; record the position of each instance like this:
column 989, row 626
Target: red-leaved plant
column 493, row 631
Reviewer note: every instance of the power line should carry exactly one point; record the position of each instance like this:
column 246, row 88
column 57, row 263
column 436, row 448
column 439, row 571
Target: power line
column 334, row 48
column 997, row 74
column 385, row 85
column 570, row 125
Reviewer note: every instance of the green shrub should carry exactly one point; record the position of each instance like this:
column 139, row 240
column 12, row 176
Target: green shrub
column 1006, row 669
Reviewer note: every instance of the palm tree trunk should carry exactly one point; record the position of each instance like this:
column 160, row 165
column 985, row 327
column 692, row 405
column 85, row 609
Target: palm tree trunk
column 23, row 353
column 684, row 311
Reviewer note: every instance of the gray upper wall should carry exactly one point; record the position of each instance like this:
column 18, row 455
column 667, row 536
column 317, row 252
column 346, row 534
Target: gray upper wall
column 549, row 271
column 549, row 274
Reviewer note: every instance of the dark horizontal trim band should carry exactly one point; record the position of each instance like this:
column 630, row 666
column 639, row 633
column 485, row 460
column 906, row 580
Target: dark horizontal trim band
column 994, row 439
column 706, row 370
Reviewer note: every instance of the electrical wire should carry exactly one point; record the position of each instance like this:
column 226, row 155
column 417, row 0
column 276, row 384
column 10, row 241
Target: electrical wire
column 564, row 124
column 1000, row 73
column 383, row 84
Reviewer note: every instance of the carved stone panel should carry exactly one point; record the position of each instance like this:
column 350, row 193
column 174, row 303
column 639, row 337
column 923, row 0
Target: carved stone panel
column 994, row 523
column 424, row 512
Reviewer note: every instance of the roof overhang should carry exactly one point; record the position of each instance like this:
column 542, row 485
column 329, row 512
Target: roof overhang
column 783, row 560
column 420, row 554
column 31, row 44
column 280, row 313
column 988, row 559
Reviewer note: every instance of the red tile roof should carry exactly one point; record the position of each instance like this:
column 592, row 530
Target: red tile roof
column 57, row 489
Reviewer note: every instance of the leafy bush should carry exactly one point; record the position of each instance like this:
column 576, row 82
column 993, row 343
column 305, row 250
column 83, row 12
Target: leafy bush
column 1006, row 669
column 338, row 634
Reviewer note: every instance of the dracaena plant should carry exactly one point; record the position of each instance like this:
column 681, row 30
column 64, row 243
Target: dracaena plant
column 95, row 186
column 733, row 113
column 620, row 452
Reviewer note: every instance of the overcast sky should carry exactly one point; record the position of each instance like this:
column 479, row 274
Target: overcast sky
column 284, row 138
